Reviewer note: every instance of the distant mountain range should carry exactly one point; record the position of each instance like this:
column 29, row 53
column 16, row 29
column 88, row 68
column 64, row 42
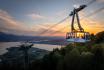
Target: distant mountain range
column 4, row 37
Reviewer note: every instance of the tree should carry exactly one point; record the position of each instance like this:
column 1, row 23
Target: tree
column 98, row 58
column 85, row 61
column 71, row 59
column 99, row 37
column 92, row 37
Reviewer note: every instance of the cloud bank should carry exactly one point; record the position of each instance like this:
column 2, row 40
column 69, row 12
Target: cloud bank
column 9, row 25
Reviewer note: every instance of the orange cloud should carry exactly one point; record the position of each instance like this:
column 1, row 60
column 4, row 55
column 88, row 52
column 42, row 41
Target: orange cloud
column 36, row 16
column 5, row 17
column 92, row 26
column 9, row 25
column 100, row 0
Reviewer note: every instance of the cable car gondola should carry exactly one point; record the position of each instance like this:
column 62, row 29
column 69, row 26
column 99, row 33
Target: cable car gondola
column 77, row 35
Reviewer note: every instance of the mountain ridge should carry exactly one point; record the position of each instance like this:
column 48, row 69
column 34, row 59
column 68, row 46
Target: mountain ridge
column 5, row 37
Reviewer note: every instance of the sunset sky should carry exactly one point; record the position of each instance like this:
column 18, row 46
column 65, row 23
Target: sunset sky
column 31, row 17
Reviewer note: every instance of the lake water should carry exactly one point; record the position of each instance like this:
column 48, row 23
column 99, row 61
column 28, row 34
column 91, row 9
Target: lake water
column 4, row 45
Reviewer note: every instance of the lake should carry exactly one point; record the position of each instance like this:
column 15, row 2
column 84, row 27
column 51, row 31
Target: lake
column 4, row 45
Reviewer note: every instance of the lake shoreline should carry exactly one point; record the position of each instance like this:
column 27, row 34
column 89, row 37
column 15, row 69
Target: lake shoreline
column 4, row 45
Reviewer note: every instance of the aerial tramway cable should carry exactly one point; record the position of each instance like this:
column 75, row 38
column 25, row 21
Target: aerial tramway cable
column 53, row 26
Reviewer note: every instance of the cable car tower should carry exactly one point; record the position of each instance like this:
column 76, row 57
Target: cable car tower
column 77, row 35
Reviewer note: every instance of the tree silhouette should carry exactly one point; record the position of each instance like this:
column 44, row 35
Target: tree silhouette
column 99, row 37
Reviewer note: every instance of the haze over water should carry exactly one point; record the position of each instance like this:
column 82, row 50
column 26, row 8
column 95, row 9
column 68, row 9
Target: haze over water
column 4, row 45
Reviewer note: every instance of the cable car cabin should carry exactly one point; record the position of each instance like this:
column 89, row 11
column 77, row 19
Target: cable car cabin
column 78, row 37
